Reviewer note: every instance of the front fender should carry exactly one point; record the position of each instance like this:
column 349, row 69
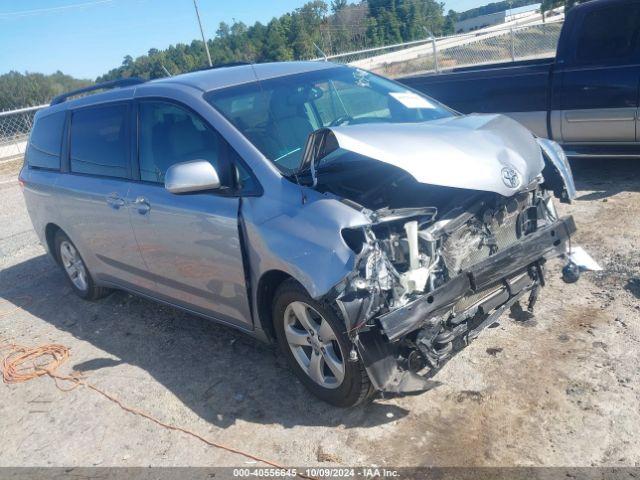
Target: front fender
column 299, row 233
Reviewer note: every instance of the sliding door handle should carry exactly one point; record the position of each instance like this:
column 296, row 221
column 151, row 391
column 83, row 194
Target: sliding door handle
column 142, row 205
column 115, row 201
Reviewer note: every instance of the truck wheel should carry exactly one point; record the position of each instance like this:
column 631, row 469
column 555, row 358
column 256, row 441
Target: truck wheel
column 317, row 348
column 75, row 269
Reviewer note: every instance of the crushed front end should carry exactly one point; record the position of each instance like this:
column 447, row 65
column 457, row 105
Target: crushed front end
column 440, row 261
column 425, row 287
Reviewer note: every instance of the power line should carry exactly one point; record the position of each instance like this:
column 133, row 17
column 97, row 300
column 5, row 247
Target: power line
column 38, row 11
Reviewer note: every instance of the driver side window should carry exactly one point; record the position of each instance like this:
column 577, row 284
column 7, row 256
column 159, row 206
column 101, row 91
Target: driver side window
column 169, row 134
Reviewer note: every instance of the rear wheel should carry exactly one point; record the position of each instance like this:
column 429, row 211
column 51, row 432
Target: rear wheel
column 75, row 269
column 316, row 346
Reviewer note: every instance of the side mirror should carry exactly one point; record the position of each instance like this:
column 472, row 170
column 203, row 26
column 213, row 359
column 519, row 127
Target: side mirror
column 192, row 176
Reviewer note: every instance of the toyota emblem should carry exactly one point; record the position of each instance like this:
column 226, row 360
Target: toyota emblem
column 510, row 177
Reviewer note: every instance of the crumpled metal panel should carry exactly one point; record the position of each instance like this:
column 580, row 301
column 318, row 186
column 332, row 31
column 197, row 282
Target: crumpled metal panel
column 298, row 232
column 490, row 153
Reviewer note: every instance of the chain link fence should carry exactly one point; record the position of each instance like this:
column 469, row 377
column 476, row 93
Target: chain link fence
column 490, row 46
column 15, row 126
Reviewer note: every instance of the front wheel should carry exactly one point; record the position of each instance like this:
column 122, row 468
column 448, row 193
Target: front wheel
column 317, row 347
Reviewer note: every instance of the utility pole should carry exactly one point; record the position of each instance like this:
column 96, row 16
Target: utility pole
column 206, row 47
column 434, row 47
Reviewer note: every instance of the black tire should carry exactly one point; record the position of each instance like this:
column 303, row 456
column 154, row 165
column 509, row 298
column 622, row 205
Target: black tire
column 92, row 291
column 355, row 386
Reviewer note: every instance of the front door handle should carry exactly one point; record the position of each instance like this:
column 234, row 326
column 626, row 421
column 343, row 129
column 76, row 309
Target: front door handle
column 115, row 201
column 142, row 205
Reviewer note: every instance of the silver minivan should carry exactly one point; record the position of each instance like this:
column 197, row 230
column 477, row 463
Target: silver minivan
column 367, row 229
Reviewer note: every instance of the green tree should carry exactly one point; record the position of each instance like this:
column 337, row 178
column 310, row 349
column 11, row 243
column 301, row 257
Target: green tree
column 19, row 90
column 450, row 20
column 337, row 5
column 223, row 30
column 276, row 48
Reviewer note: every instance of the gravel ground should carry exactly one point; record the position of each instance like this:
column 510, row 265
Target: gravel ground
column 561, row 389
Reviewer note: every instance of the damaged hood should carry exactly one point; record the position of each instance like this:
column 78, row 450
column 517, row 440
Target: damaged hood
column 480, row 152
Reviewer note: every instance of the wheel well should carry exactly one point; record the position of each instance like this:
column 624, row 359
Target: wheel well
column 50, row 235
column 267, row 286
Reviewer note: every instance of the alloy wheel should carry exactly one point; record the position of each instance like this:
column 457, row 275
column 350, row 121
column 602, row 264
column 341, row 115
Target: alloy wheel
column 73, row 265
column 314, row 345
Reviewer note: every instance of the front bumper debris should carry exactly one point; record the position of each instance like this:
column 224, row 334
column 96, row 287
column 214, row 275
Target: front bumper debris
column 546, row 242
column 509, row 275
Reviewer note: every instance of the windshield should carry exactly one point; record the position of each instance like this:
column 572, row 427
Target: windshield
column 277, row 115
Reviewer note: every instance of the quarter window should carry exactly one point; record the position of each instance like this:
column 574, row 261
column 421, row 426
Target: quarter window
column 99, row 141
column 608, row 34
column 170, row 134
column 45, row 142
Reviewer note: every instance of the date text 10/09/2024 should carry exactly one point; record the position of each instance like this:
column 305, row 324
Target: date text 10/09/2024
column 321, row 472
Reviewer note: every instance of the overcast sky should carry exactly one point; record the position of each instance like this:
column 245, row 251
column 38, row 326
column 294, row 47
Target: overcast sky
column 85, row 38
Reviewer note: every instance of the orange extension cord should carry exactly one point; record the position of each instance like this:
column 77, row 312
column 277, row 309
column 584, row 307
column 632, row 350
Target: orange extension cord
column 22, row 364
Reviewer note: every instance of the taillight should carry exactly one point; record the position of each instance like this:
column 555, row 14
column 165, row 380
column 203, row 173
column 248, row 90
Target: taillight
column 21, row 182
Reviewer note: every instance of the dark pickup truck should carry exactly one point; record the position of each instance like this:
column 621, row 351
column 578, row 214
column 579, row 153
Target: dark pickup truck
column 586, row 98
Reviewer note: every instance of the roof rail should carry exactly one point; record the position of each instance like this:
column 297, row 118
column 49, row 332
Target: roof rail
column 122, row 82
column 223, row 65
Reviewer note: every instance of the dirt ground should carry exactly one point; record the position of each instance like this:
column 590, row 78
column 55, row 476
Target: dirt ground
column 561, row 389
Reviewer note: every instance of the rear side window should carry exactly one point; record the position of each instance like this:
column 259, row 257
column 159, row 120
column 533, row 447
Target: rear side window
column 99, row 141
column 608, row 34
column 46, row 141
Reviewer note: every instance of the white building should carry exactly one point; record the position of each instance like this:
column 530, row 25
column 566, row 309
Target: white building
column 497, row 18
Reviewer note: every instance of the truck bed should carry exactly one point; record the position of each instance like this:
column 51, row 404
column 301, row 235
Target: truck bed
column 504, row 87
